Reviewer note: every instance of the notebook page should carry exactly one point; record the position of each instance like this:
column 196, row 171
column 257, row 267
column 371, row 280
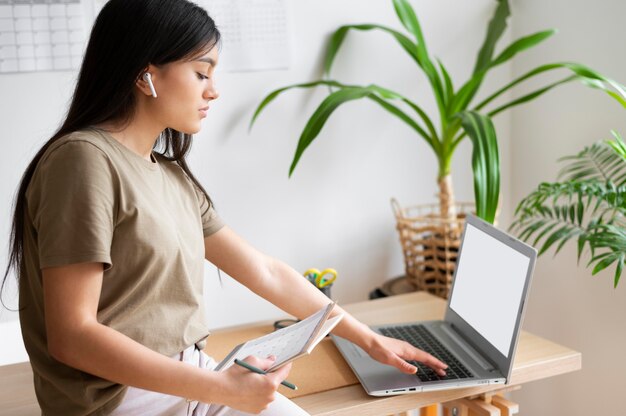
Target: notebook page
column 285, row 343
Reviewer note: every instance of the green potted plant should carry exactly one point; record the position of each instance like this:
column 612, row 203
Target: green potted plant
column 588, row 205
column 430, row 248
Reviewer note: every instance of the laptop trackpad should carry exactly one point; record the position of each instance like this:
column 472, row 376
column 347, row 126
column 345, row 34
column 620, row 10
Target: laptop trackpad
column 374, row 376
column 384, row 377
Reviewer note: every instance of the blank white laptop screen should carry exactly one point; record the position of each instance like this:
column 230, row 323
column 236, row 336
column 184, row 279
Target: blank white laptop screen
column 488, row 286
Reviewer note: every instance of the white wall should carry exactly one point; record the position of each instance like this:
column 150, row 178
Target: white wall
column 567, row 304
column 334, row 211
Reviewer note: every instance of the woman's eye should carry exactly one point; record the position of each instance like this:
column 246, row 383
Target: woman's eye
column 202, row 76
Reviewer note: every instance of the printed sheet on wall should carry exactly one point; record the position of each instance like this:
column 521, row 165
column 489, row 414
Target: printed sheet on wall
column 51, row 35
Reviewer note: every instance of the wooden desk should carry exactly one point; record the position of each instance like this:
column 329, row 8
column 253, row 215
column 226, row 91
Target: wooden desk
column 536, row 359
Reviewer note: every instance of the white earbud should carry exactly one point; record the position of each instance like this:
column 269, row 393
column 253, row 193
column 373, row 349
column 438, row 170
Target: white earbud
column 148, row 78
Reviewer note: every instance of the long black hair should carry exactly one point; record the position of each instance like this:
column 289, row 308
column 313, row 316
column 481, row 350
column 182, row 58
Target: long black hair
column 127, row 36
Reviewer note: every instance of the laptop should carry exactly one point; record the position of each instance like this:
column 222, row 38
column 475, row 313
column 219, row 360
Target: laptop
column 478, row 337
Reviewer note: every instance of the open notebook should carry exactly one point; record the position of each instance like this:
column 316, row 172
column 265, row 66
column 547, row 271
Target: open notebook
column 288, row 343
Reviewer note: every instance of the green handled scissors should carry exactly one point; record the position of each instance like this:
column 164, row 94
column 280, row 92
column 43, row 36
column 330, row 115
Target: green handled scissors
column 321, row 279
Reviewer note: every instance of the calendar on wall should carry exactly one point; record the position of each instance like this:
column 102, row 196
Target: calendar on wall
column 51, row 35
column 255, row 33
column 41, row 35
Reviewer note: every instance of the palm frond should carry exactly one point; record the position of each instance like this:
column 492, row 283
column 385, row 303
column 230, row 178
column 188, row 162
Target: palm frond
column 589, row 206
column 598, row 162
column 611, row 238
column 579, row 193
column 618, row 144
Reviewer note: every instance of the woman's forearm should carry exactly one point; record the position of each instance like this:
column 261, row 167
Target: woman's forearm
column 276, row 282
column 288, row 290
column 106, row 353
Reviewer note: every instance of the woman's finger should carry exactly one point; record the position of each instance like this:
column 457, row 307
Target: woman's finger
column 430, row 361
column 402, row 365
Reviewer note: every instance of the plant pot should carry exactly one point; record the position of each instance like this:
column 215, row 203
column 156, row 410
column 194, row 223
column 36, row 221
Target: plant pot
column 430, row 244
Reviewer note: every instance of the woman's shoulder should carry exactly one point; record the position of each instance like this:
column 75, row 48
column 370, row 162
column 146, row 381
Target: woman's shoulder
column 79, row 148
column 75, row 157
column 86, row 138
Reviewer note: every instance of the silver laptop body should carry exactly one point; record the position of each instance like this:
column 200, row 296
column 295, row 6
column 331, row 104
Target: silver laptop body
column 482, row 320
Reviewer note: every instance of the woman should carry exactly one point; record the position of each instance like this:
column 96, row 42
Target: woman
column 111, row 229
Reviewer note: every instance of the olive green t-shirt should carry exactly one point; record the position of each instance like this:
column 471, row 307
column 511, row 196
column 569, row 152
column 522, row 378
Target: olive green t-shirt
column 91, row 199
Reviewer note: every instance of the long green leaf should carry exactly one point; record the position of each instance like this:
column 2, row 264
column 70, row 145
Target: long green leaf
column 565, row 238
column 319, row 117
column 463, row 97
column 618, row 270
column 603, row 264
column 544, row 232
column 580, row 246
column 580, row 208
column 619, row 94
column 385, row 93
column 449, row 86
column 530, row 229
column 618, row 144
column 409, row 20
column 599, row 257
column 424, row 117
column 345, row 94
column 591, row 78
column 553, row 238
column 523, row 43
column 529, row 97
column 338, row 37
column 485, row 163
column 496, row 27
column 469, row 89
column 272, row 95
column 408, row 120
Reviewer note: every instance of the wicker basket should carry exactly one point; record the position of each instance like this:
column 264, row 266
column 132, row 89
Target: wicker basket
column 430, row 244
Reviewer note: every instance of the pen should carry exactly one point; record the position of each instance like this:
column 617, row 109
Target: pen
column 259, row 371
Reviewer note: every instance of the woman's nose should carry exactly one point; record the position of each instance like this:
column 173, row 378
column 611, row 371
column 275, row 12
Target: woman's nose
column 211, row 93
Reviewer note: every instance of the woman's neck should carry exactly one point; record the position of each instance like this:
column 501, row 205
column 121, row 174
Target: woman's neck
column 139, row 135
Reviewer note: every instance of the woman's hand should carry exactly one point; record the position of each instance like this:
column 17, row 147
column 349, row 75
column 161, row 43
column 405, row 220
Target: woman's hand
column 251, row 392
column 394, row 352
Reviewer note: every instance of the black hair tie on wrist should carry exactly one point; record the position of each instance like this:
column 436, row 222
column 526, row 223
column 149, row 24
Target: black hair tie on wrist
column 283, row 323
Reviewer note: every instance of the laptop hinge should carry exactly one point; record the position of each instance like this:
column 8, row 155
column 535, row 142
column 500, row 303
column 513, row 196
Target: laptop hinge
column 468, row 348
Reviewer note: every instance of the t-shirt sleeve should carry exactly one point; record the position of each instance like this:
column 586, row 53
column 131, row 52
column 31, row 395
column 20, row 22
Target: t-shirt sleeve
column 71, row 201
column 211, row 221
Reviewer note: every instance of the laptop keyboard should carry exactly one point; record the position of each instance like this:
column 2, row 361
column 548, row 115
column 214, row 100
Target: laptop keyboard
column 420, row 337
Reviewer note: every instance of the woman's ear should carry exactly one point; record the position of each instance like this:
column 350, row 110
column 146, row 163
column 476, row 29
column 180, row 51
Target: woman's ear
column 148, row 78
column 145, row 83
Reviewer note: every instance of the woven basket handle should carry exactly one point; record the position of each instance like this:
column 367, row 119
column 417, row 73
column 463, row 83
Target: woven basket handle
column 397, row 209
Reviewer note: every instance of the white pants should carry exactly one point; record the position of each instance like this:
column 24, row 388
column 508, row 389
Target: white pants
column 138, row 402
